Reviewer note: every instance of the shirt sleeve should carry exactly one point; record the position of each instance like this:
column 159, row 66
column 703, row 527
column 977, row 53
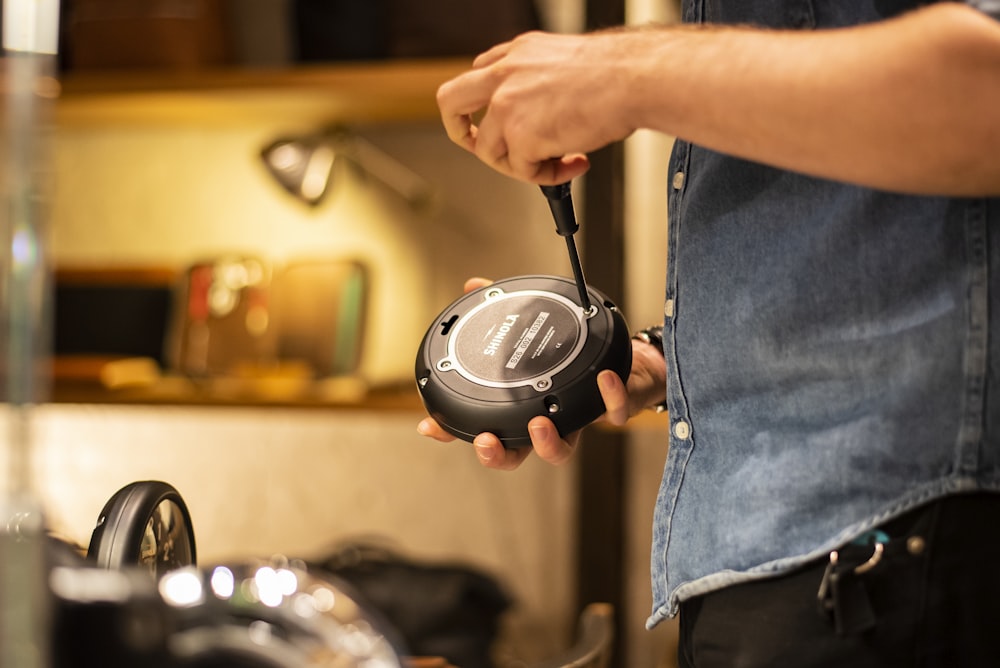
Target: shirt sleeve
column 989, row 7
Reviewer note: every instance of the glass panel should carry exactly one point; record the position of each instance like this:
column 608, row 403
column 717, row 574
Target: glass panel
column 29, row 87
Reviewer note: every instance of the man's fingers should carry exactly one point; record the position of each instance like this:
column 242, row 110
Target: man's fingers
column 475, row 283
column 459, row 99
column 615, row 397
column 430, row 428
column 489, row 449
column 564, row 170
column 492, row 454
column 547, row 442
column 490, row 56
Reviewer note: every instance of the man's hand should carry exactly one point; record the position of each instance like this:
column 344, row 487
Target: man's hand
column 545, row 439
column 646, row 386
column 543, row 101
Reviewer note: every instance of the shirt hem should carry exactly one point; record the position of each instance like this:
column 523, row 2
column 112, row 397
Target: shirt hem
column 725, row 578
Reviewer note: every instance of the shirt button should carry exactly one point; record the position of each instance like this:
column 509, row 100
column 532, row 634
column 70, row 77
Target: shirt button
column 678, row 181
column 682, row 430
column 668, row 308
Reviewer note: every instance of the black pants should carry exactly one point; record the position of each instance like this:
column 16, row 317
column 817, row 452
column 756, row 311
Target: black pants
column 931, row 598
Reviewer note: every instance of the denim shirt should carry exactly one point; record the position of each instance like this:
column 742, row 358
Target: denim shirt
column 833, row 351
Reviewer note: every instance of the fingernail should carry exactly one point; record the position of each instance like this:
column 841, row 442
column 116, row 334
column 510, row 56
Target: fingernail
column 483, row 451
column 605, row 382
column 538, row 431
column 422, row 428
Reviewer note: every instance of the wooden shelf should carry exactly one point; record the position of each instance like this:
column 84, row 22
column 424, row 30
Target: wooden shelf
column 354, row 93
column 81, row 386
column 83, row 380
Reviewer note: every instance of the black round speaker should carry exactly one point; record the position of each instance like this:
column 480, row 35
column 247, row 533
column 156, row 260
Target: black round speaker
column 518, row 348
column 145, row 524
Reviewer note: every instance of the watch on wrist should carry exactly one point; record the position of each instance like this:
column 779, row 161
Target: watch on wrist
column 654, row 337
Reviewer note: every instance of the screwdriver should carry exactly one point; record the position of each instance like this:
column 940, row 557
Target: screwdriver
column 561, row 203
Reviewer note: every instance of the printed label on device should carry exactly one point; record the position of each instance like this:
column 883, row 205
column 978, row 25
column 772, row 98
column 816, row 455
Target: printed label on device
column 516, row 338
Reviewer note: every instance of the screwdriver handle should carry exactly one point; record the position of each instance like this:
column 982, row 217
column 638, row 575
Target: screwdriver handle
column 561, row 202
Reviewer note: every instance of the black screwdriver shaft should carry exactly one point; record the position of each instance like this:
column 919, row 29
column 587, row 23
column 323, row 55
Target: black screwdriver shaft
column 561, row 203
column 581, row 284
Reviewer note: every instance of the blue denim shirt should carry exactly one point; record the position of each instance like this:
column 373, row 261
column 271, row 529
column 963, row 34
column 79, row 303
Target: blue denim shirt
column 833, row 351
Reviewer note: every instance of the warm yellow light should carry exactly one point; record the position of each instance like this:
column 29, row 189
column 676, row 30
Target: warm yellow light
column 182, row 588
column 223, row 582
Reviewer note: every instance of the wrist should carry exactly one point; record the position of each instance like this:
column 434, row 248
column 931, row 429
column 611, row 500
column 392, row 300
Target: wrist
column 652, row 337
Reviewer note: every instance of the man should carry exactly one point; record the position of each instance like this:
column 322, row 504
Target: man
column 831, row 335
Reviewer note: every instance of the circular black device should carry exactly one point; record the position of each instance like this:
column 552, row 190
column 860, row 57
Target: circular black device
column 145, row 524
column 518, row 348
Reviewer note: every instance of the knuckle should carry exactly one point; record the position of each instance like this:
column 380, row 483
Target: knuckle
column 442, row 93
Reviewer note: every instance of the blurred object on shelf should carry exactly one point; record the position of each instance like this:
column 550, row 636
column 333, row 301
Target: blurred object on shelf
column 112, row 373
column 329, row 30
column 164, row 34
column 261, row 32
column 240, row 318
column 222, row 317
column 129, row 372
column 278, row 380
column 192, row 34
column 319, row 313
column 229, row 328
column 422, row 29
column 112, row 311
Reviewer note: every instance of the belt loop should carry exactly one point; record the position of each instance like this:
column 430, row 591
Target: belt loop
column 842, row 597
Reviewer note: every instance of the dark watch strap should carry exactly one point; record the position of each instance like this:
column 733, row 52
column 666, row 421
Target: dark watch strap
column 653, row 336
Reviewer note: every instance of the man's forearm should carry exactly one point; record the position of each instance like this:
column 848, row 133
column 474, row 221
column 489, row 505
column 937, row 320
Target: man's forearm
column 910, row 104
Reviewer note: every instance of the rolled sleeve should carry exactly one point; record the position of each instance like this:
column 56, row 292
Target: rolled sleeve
column 989, row 7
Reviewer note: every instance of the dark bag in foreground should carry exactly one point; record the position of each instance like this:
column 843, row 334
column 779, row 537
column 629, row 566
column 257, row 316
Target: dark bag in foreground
column 447, row 610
